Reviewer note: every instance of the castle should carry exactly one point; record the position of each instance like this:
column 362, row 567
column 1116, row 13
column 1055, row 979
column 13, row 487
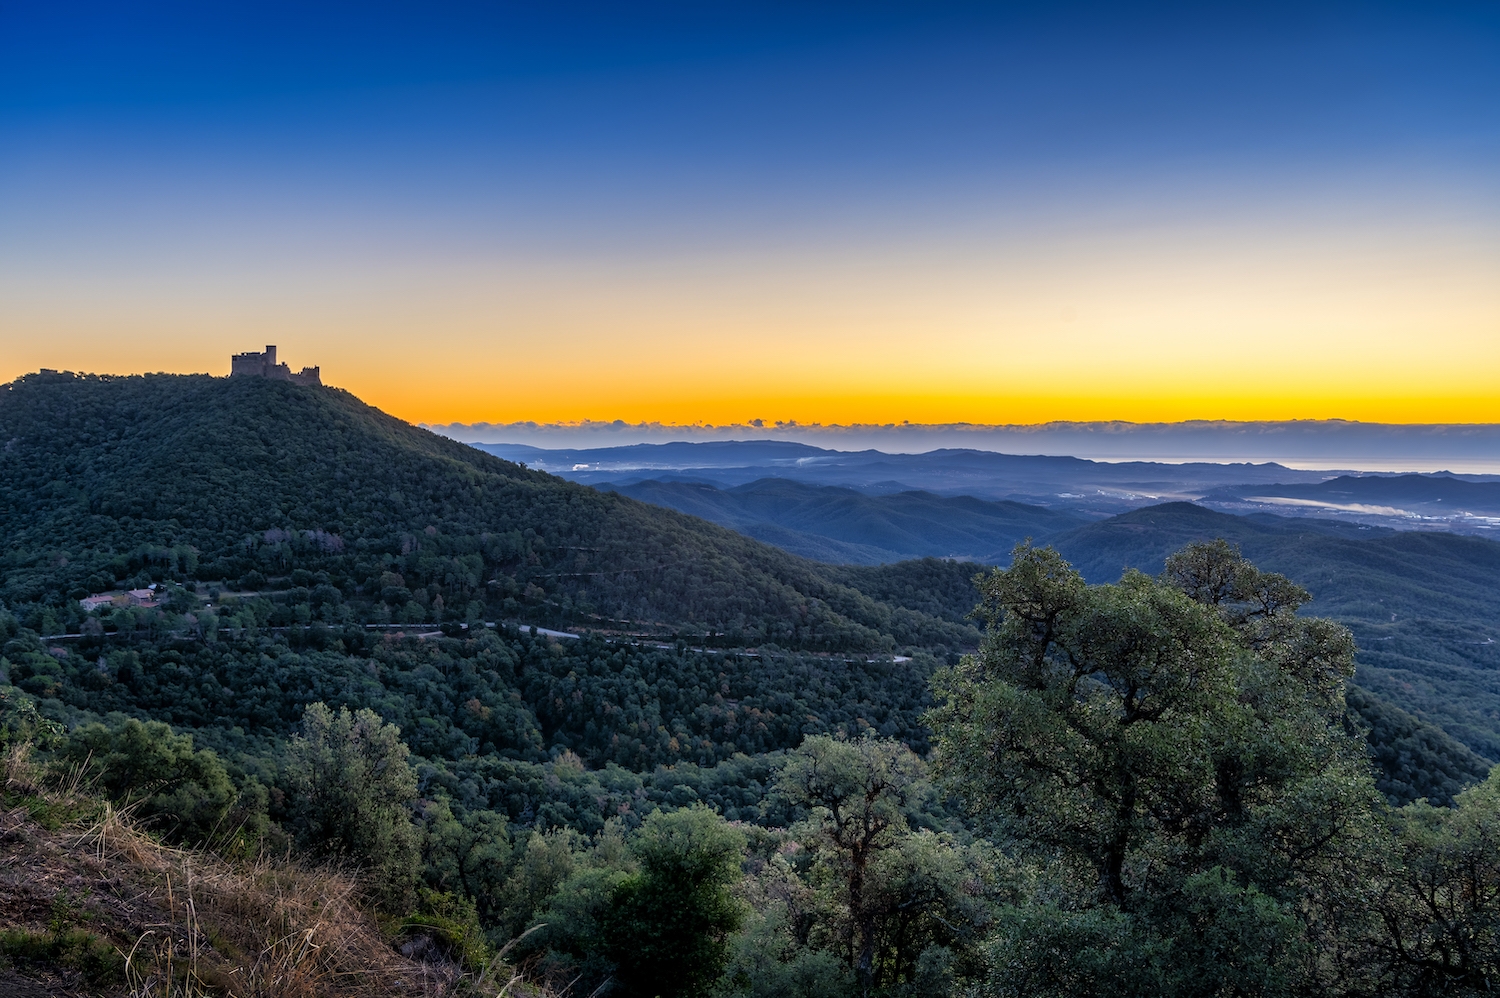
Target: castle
column 263, row 365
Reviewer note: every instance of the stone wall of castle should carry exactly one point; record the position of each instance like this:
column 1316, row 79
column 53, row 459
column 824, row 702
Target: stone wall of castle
column 264, row 365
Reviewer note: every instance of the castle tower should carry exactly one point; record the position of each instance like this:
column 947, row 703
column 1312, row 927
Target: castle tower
column 265, row 365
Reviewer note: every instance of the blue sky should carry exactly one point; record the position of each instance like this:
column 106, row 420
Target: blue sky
column 354, row 177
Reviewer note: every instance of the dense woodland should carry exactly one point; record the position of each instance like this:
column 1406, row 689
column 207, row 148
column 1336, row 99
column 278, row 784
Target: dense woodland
column 754, row 774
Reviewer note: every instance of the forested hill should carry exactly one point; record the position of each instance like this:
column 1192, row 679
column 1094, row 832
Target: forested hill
column 833, row 523
column 112, row 481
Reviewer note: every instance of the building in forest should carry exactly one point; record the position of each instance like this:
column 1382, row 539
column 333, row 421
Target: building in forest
column 264, row 365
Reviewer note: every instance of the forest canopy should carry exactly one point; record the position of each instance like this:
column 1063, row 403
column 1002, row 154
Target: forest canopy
column 1153, row 786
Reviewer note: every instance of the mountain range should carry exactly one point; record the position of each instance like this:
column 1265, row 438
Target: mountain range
column 1093, row 485
column 1401, row 559
column 1302, row 443
column 1461, row 503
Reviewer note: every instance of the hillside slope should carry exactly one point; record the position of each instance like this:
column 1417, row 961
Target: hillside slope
column 835, row 523
column 110, row 481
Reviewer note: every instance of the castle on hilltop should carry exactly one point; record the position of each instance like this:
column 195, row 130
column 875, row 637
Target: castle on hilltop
column 263, row 365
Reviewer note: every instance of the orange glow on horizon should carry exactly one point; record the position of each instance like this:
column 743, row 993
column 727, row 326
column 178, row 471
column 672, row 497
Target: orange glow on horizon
column 416, row 408
column 427, row 394
column 441, row 387
column 1395, row 320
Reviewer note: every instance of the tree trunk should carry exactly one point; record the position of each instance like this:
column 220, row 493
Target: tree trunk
column 1113, row 873
column 864, row 932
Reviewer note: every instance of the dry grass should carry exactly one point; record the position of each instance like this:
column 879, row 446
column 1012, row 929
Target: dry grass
column 178, row 924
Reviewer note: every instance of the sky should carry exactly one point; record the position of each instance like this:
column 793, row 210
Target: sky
column 721, row 212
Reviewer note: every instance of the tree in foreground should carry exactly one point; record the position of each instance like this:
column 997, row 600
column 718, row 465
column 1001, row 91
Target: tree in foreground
column 1169, row 759
column 351, row 788
column 857, row 795
column 897, row 901
column 1439, row 902
column 668, row 923
column 644, row 915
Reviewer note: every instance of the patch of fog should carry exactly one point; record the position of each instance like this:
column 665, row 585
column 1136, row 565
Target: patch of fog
column 1345, row 507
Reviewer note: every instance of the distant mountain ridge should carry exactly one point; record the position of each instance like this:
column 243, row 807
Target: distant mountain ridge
column 1096, row 486
column 1408, row 488
column 1320, row 443
column 1468, row 504
column 1420, row 500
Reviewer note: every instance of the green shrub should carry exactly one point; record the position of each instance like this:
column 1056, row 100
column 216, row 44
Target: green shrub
column 185, row 794
column 352, row 789
column 667, row 927
column 95, row 959
column 469, row 854
column 20, row 721
column 452, row 923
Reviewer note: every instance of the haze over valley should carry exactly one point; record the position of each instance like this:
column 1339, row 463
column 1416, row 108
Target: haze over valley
column 1468, row 503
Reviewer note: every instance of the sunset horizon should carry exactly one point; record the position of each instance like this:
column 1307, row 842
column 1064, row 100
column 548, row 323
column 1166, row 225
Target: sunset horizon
column 870, row 214
column 405, row 397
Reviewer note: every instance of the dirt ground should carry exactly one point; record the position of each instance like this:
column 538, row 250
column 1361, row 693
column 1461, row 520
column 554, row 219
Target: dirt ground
column 89, row 905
